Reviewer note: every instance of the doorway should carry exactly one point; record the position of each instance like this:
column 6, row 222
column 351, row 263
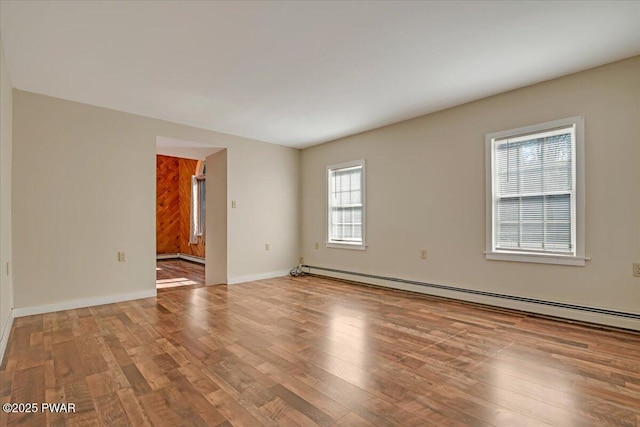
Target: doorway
column 184, row 228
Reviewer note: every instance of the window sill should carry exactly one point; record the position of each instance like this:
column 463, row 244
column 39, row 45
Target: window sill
column 537, row 258
column 344, row 245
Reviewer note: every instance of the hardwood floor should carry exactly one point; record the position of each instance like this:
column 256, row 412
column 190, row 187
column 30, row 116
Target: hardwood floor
column 311, row 351
column 171, row 273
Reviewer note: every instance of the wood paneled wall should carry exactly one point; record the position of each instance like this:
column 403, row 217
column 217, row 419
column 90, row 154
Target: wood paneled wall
column 167, row 205
column 173, row 206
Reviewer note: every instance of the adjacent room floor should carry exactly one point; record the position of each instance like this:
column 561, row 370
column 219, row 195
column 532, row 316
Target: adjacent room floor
column 171, row 273
column 312, row 351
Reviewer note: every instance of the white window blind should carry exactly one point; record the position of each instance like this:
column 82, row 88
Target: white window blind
column 198, row 204
column 346, row 204
column 195, row 210
column 534, row 192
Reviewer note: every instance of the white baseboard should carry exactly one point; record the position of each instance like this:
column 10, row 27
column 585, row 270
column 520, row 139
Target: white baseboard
column 192, row 258
column 254, row 277
column 4, row 335
column 81, row 303
column 181, row 256
column 582, row 314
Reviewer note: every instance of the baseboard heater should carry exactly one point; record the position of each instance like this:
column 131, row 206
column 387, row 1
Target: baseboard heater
column 594, row 310
column 181, row 256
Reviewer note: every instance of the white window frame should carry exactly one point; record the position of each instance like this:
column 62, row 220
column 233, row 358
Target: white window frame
column 577, row 258
column 197, row 212
column 342, row 244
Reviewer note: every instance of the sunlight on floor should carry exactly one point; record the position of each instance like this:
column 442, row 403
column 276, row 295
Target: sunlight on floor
column 172, row 283
column 176, row 273
column 348, row 346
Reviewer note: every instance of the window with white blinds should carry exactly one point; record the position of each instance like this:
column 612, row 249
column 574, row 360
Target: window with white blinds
column 346, row 205
column 534, row 190
column 198, row 204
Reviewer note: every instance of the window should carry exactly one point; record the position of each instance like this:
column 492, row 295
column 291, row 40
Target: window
column 198, row 203
column 535, row 193
column 346, row 201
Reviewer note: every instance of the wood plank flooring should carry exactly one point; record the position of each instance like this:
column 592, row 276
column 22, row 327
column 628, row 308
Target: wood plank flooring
column 171, row 273
column 310, row 351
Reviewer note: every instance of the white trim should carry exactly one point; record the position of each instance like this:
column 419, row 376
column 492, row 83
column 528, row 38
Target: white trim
column 192, row 258
column 4, row 337
column 346, row 166
column 181, row 256
column 254, row 277
column 81, row 303
column 537, row 258
column 345, row 245
column 578, row 201
column 562, row 312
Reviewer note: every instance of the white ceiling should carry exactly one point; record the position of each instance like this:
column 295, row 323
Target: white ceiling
column 303, row 73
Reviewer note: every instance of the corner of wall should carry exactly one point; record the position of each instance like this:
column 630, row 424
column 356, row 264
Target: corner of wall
column 299, row 249
column 4, row 334
column 6, row 145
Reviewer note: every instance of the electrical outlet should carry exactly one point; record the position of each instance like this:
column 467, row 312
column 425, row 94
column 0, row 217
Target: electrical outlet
column 317, row 245
column 267, row 247
column 233, row 204
column 122, row 257
column 636, row 269
column 423, row 253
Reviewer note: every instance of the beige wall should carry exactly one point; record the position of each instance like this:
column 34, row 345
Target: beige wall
column 84, row 189
column 216, row 220
column 425, row 189
column 6, row 119
column 264, row 183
